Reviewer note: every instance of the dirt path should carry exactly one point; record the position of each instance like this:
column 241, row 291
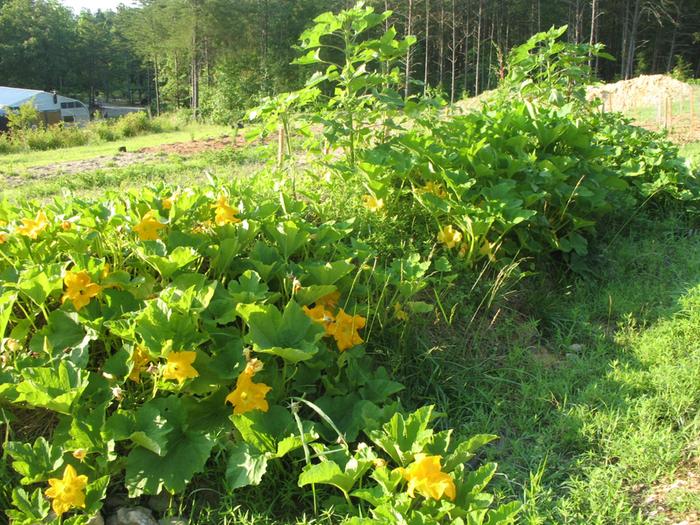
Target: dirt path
column 123, row 159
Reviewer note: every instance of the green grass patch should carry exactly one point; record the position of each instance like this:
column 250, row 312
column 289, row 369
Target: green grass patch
column 18, row 162
column 593, row 385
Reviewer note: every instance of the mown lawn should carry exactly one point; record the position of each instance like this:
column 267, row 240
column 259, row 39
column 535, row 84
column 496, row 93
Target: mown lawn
column 16, row 162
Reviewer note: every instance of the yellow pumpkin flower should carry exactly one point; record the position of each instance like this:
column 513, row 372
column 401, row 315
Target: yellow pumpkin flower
column 3, row 237
column 425, row 476
column 79, row 454
column 253, row 367
column 79, row 289
column 223, row 213
column 463, row 249
column 372, row 203
column 33, row 227
column 66, row 226
column 140, row 359
column 449, row 236
column 179, row 366
column 399, row 312
column 319, row 314
column 345, row 330
column 329, row 301
column 147, row 229
column 167, row 202
column 67, row 493
column 248, row 396
column 434, row 188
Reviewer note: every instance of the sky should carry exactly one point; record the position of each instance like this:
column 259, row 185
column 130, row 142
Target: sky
column 93, row 5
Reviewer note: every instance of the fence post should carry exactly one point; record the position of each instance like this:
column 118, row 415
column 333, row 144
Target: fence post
column 691, row 107
column 669, row 104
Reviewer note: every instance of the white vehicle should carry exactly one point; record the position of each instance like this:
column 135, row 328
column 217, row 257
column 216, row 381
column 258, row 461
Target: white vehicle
column 52, row 107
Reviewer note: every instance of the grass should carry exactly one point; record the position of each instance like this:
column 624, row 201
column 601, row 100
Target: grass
column 692, row 152
column 592, row 382
column 18, row 162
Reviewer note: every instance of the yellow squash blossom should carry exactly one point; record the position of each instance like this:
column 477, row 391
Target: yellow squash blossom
column 400, row 313
column 33, row 227
column 449, row 236
column 167, row 203
column 248, row 396
column 434, row 188
column 463, row 249
column 80, row 454
column 147, row 229
column 319, row 314
column 179, row 366
column 79, row 289
column 67, row 493
column 223, row 213
column 3, row 237
column 372, row 203
column 425, row 476
column 66, row 226
column 329, row 301
column 345, row 330
column 140, row 359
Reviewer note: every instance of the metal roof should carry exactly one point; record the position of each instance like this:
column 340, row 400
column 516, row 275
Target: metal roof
column 10, row 96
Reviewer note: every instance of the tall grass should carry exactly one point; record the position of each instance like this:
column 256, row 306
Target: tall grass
column 103, row 130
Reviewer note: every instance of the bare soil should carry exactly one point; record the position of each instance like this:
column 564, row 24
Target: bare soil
column 123, row 159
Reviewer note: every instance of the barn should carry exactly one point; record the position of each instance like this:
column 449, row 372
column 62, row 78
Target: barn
column 52, row 107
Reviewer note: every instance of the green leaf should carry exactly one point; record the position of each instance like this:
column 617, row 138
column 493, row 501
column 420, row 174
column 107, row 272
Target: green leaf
column 290, row 335
column 95, row 494
column 264, row 430
column 327, row 273
column 52, row 388
column 505, row 514
column 149, row 473
column 168, row 265
column 402, row 437
column 245, row 466
column 31, row 507
column 289, row 237
column 37, row 284
column 326, row 473
column 7, row 302
column 63, row 332
column 466, row 450
column 34, row 463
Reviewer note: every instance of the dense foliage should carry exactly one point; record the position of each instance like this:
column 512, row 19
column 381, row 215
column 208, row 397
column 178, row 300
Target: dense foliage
column 167, row 331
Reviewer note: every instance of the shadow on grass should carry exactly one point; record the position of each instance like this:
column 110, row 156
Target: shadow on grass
column 594, row 387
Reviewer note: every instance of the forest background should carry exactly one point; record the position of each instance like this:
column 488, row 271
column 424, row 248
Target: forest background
column 218, row 57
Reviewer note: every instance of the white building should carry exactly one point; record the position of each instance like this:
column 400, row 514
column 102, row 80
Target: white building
column 53, row 108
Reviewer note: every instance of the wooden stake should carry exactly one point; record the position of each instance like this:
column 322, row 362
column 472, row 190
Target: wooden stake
column 280, row 145
column 669, row 103
column 691, row 107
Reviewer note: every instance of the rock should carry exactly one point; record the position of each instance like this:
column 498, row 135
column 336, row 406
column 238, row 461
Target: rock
column 97, row 519
column 178, row 520
column 576, row 347
column 159, row 502
column 132, row 516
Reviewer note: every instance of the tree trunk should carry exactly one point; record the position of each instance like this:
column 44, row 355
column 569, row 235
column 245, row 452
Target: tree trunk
column 409, row 31
column 453, row 60
column 441, row 57
column 633, row 39
column 465, row 87
column 480, row 16
column 427, row 46
column 591, row 40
